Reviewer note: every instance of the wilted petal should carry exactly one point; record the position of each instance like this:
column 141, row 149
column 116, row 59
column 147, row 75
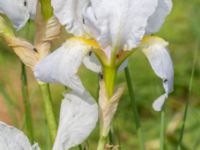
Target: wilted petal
column 14, row 139
column 69, row 13
column 160, row 60
column 92, row 63
column 16, row 10
column 78, row 117
column 157, row 19
column 121, row 22
column 62, row 65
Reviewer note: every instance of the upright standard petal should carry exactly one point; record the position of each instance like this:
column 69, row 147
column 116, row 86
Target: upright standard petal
column 157, row 19
column 121, row 22
column 62, row 65
column 156, row 52
column 78, row 117
column 69, row 13
column 16, row 10
column 14, row 139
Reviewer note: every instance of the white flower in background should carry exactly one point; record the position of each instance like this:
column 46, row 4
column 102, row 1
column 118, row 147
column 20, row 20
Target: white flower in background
column 109, row 28
column 18, row 11
column 14, row 139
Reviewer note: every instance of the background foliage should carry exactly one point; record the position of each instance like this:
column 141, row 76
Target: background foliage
column 182, row 30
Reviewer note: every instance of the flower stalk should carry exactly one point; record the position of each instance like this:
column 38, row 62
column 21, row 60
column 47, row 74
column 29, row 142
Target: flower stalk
column 49, row 113
column 109, row 78
column 107, row 107
column 162, row 130
column 27, row 105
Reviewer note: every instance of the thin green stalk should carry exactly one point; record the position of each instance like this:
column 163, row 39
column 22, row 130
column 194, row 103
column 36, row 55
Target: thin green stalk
column 135, row 109
column 27, row 105
column 111, row 136
column 49, row 113
column 80, row 147
column 187, row 101
column 102, row 143
column 162, row 131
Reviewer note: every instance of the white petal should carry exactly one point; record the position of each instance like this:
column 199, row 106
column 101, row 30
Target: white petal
column 78, row 117
column 35, row 147
column 62, row 65
column 13, row 139
column 161, row 63
column 32, row 7
column 69, row 13
column 157, row 19
column 121, row 22
column 16, row 11
column 92, row 63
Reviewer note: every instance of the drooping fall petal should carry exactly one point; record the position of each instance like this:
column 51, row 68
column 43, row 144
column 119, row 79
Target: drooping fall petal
column 62, row 65
column 78, row 117
column 156, row 52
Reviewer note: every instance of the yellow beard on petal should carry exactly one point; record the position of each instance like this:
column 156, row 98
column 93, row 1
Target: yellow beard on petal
column 89, row 42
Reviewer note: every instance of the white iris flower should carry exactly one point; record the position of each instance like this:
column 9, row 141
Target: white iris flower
column 110, row 28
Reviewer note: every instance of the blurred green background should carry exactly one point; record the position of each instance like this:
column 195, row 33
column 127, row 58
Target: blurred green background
column 182, row 30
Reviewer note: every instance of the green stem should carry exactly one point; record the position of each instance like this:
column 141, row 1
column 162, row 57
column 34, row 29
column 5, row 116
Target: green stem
column 109, row 78
column 102, row 143
column 109, row 75
column 135, row 109
column 48, row 105
column 80, row 147
column 162, row 131
column 27, row 105
column 111, row 136
column 187, row 101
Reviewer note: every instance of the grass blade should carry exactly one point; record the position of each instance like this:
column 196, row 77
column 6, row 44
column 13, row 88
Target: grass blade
column 27, row 105
column 135, row 109
column 187, row 100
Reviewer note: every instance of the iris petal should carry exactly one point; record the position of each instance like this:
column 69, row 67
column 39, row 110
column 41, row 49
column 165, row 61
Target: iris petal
column 121, row 22
column 157, row 19
column 78, row 117
column 62, row 65
column 156, row 52
column 12, row 138
column 92, row 63
column 69, row 13
column 16, row 11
